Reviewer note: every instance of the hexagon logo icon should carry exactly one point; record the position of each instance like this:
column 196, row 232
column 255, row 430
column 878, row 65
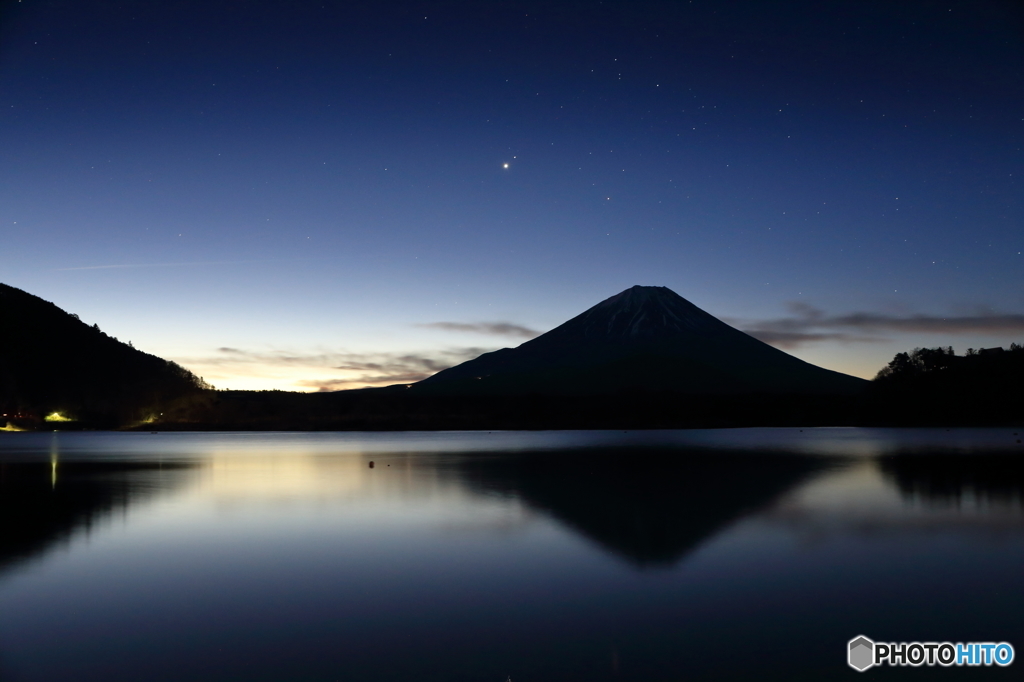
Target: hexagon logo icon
column 860, row 653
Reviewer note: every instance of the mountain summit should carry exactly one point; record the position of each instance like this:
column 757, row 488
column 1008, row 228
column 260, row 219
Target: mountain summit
column 643, row 339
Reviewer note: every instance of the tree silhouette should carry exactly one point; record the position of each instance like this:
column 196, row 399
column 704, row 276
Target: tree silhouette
column 935, row 385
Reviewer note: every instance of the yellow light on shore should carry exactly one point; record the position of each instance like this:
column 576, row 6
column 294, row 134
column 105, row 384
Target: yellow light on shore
column 56, row 417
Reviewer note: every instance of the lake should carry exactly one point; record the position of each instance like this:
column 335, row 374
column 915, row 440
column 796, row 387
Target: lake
column 655, row 555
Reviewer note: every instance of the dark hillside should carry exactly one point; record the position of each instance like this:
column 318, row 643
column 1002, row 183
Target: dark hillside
column 50, row 361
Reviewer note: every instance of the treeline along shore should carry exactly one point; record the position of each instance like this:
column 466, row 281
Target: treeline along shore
column 924, row 387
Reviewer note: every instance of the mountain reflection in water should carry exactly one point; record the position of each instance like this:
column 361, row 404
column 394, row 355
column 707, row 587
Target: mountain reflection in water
column 46, row 503
column 464, row 557
column 650, row 507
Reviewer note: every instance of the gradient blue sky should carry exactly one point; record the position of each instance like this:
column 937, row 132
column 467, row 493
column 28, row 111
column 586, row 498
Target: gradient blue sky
column 307, row 195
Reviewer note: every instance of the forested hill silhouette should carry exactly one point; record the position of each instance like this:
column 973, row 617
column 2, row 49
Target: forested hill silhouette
column 50, row 361
column 935, row 386
column 644, row 339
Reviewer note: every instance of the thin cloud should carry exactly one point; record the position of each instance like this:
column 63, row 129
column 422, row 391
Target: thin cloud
column 797, row 339
column 809, row 325
column 969, row 324
column 236, row 356
column 328, row 385
column 361, row 369
column 421, row 362
column 369, row 381
column 492, row 328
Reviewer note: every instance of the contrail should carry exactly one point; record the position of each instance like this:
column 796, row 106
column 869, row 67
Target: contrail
column 163, row 265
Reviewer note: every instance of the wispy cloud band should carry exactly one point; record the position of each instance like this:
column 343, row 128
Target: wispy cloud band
column 810, row 324
column 358, row 369
column 492, row 328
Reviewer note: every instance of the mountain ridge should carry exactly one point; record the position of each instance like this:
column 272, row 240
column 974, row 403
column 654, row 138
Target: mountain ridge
column 641, row 339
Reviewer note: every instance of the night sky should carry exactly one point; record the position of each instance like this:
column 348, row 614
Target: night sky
column 317, row 195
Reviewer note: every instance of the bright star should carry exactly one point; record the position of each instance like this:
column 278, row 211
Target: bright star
column 504, row 165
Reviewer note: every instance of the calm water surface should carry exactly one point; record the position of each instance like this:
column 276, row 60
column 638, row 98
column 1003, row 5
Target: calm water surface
column 677, row 555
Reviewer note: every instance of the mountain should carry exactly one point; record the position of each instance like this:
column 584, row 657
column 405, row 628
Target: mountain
column 50, row 361
column 645, row 339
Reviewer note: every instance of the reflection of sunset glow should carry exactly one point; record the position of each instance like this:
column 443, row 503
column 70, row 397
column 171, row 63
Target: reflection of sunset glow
column 284, row 477
column 296, row 476
column 403, row 487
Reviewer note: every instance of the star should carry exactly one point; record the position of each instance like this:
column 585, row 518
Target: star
column 504, row 165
